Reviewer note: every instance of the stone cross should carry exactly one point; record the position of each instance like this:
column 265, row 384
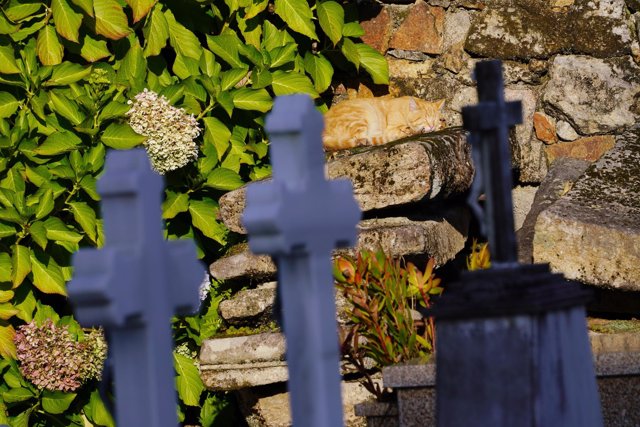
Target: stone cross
column 299, row 218
column 133, row 286
column 489, row 123
column 512, row 345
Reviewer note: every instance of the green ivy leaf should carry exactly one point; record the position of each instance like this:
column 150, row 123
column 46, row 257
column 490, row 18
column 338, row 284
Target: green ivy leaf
column 283, row 54
column 217, row 134
column 66, row 107
column 89, row 185
column 224, row 179
column 8, row 63
column 113, row 109
column 251, row 99
column 50, row 50
column 286, row 83
column 140, row 8
column 8, row 104
column 47, row 274
column 6, row 230
column 203, row 216
column 94, row 50
column 7, row 311
column 58, row 143
column 110, row 19
column 38, row 233
column 5, row 267
column 298, row 16
column 255, row 8
column 85, row 5
column 320, row 70
column 226, row 47
column 188, row 380
column 17, row 11
column 228, row 79
column 97, row 412
column 352, row 29
column 56, row 402
column 375, row 64
column 6, row 296
column 16, row 395
column 59, row 232
column 133, row 67
column 121, row 137
column 67, row 20
column 350, row 51
column 67, row 73
column 331, row 17
column 174, row 204
column 85, row 216
column 183, row 41
column 46, row 205
column 20, row 264
column 156, row 33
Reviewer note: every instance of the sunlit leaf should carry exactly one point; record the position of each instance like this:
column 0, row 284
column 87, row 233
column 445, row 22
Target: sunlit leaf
column 50, row 50
column 298, row 16
column 110, row 19
column 67, row 20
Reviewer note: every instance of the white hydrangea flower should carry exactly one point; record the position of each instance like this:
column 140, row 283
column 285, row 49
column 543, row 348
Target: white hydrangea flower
column 205, row 287
column 170, row 131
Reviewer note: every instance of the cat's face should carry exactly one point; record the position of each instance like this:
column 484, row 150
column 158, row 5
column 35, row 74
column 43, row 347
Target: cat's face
column 425, row 115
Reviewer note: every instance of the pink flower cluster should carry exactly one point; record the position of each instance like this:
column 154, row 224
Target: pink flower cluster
column 52, row 359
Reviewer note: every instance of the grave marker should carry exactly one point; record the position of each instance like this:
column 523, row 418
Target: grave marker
column 133, row 286
column 512, row 345
column 298, row 218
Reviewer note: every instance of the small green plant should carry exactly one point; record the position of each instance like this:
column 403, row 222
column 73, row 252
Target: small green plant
column 480, row 257
column 383, row 293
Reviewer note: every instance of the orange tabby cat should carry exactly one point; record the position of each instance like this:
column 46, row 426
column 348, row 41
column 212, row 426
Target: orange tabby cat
column 375, row 121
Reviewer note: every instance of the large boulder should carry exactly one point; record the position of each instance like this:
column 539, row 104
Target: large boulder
column 592, row 233
column 595, row 95
column 525, row 29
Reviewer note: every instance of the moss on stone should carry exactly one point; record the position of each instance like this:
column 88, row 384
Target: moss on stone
column 608, row 326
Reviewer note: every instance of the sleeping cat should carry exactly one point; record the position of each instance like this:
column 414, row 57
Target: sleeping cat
column 375, row 121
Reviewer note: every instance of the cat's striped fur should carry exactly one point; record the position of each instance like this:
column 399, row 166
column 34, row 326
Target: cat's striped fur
column 375, row 121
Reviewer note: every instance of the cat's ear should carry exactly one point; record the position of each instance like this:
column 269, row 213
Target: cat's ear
column 439, row 104
column 413, row 104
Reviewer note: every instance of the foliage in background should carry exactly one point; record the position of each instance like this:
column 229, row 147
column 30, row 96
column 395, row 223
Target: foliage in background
column 67, row 70
column 479, row 258
column 383, row 294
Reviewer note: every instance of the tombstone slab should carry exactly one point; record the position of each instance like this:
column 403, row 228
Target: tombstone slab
column 592, row 233
column 436, row 165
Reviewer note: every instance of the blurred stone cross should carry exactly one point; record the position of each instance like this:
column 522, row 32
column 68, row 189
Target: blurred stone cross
column 133, row 286
column 299, row 218
column 512, row 344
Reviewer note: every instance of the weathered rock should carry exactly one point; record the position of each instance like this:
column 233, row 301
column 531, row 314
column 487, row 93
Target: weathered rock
column 592, row 233
column 456, row 28
column 244, row 375
column 265, row 347
column 441, row 237
column 422, row 30
column 522, row 197
column 523, row 29
column 590, row 148
column 596, row 95
column 377, row 30
column 514, row 72
column 565, row 131
column 562, row 174
column 269, row 407
column 545, row 128
column 390, row 175
column 250, row 305
column 634, row 5
column 454, row 59
column 243, row 263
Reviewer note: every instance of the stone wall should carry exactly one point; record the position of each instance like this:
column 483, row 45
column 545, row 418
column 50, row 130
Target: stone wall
column 573, row 63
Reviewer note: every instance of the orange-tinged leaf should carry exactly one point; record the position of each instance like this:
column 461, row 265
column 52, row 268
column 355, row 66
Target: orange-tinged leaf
column 7, row 347
column 48, row 46
column 110, row 19
column 140, row 8
column 66, row 19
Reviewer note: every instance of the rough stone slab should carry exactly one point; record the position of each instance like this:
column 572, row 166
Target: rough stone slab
column 616, row 353
column 243, row 264
column 589, row 148
column 266, row 347
column 250, row 305
column 377, row 28
column 595, row 95
column 522, row 197
column 592, row 233
column 441, row 236
column 410, row 375
column 524, row 29
column 389, row 175
column 236, row 377
column 562, row 174
column 269, row 407
column 422, row 30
